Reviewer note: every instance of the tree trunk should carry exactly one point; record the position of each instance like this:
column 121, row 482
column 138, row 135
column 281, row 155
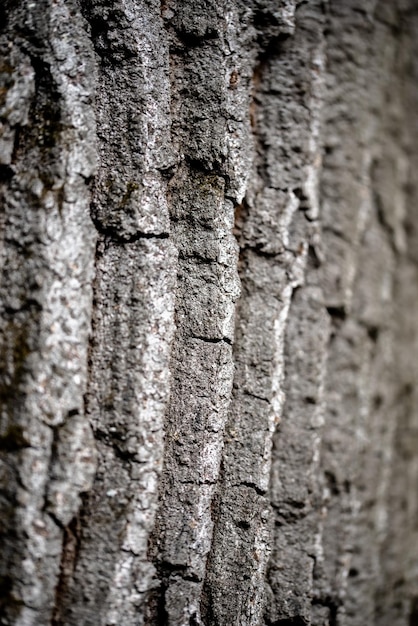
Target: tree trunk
column 209, row 312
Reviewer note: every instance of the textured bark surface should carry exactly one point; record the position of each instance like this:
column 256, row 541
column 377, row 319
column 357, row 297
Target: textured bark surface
column 209, row 328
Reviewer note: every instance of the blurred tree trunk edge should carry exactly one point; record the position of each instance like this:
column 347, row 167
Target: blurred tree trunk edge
column 209, row 313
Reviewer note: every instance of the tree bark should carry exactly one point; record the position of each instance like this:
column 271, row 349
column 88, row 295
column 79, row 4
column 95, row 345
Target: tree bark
column 209, row 329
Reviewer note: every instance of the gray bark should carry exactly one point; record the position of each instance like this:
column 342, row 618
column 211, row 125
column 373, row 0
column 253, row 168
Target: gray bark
column 208, row 328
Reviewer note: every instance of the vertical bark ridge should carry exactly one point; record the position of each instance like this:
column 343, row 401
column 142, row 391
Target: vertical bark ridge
column 207, row 287
column 275, row 233
column 395, row 187
column 48, row 242
column 364, row 253
column 298, row 96
column 133, row 318
column 345, row 218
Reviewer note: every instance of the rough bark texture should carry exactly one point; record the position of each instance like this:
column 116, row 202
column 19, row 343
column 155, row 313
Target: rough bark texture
column 209, row 326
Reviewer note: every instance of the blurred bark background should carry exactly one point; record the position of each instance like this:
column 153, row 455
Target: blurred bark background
column 209, row 312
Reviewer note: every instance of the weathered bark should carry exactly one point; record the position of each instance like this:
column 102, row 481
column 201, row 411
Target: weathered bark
column 209, row 329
